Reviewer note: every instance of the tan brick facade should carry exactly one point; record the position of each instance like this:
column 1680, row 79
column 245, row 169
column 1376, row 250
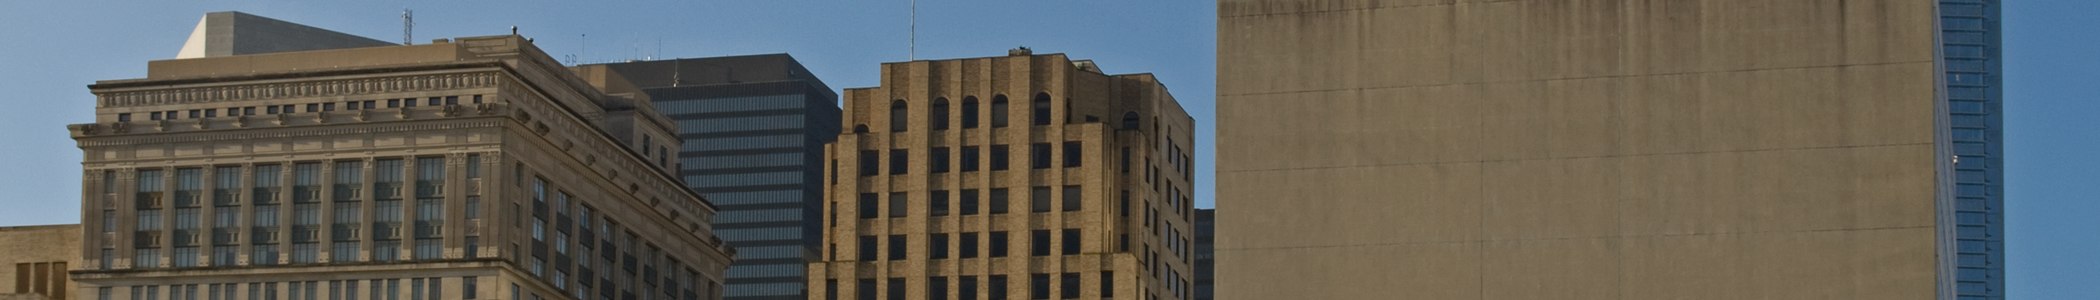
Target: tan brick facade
column 1602, row 149
column 1094, row 183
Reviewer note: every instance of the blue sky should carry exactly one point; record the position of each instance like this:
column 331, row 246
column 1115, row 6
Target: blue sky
column 50, row 50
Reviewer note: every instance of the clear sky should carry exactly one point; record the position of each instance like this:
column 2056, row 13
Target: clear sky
column 50, row 51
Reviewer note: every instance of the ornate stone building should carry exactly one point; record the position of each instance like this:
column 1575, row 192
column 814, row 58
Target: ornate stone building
column 476, row 168
column 1016, row 177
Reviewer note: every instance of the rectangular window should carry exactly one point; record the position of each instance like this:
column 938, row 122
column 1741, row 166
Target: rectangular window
column 831, row 289
column 869, row 206
column 1123, row 203
column 937, row 288
column 969, row 202
column 938, row 160
column 469, row 287
column 969, row 158
column 1039, row 286
column 896, row 288
column 999, row 159
column 937, row 203
column 966, row 288
column 998, row 201
column 1039, row 199
column 968, row 245
column 998, row 247
column 1039, row 156
column 867, row 248
column 1068, row 284
column 1108, row 284
column 1039, row 242
column 1071, row 242
column 1072, row 152
column 864, row 290
column 996, row 284
column 870, row 163
column 1072, row 198
column 897, row 247
column 900, row 205
column 937, row 246
column 900, row 161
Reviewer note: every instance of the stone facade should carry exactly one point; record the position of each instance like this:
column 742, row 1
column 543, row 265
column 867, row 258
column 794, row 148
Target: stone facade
column 36, row 259
column 477, row 168
column 1028, row 176
column 1608, row 149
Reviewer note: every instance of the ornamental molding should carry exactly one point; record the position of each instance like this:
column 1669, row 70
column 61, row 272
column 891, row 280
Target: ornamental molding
column 289, row 132
column 283, row 90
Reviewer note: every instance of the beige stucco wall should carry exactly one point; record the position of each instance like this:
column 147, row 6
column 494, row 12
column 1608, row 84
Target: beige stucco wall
column 1604, row 149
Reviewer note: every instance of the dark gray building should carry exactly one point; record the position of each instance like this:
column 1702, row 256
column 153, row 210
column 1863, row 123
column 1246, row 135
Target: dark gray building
column 754, row 129
column 1206, row 262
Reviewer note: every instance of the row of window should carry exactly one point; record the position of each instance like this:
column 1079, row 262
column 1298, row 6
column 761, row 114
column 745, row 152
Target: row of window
column 266, row 234
column 293, row 108
column 626, row 264
column 937, row 159
column 966, row 287
column 426, row 288
column 967, row 245
column 996, row 202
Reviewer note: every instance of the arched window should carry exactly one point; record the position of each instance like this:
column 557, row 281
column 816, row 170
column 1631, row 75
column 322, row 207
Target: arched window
column 1130, row 120
column 969, row 112
column 898, row 116
column 862, row 128
column 939, row 114
column 999, row 111
column 1041, row 109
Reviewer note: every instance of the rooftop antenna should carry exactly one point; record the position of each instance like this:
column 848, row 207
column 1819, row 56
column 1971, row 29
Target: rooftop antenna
column 408, row 26
column 912, row 53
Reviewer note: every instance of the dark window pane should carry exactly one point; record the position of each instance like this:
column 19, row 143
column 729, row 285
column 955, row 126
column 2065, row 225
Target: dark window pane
column 1072, row 198
column 900, row 205
column 999, row 111
column 867, row 248
column 998, row 201
column 999, row 157
column 1039, row 243
column 900, row 161
column 969, row 158
column 998, row 240
column 1039, row 155
column 1072, row 152
column 869, row 163
column 937, row 160
column 869, row 206
column 969, row 202
column 1039, row 199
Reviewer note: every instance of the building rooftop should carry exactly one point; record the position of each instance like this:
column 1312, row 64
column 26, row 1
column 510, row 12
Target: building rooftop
column 229, row 33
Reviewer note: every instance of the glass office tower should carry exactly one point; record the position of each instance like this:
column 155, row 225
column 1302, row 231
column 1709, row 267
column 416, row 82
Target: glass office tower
column 1970, row 43
column 754, row 129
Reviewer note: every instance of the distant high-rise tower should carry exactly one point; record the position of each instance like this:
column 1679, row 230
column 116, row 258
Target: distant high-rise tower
column 754, row 129
column 1970, row 46
column 470, row 168
column 1017, row 177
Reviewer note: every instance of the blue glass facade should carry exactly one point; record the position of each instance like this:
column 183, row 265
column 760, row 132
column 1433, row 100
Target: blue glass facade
column 753, row 131
column 1969, row 37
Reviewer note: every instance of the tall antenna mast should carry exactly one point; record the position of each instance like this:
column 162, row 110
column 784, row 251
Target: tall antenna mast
column 912, row 53
column 408, row 26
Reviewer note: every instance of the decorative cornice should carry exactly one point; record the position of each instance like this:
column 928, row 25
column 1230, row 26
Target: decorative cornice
column 315, row 88
column 283, row 133
column 163, row 128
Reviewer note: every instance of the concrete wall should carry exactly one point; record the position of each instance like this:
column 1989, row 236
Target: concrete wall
column 1601, row 149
